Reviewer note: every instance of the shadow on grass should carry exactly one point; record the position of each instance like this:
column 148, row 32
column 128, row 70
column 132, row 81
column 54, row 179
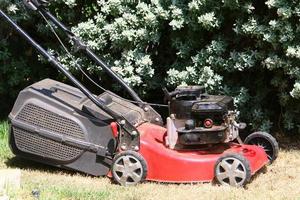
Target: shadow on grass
column 291, row 142
column 260, row 172
column 26, row 164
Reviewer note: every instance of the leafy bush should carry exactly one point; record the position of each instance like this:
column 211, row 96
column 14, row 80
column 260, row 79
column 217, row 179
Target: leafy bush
column 247, row 49
column 18, row 61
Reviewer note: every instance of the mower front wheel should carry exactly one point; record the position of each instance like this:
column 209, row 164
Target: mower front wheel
column 129, row 168
column 266, row 141
column 232, row 169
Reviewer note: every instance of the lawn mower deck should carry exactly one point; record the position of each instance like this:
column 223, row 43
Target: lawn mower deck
column 190, row 165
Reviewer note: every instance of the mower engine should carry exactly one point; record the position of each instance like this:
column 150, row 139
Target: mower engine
column 197, row 118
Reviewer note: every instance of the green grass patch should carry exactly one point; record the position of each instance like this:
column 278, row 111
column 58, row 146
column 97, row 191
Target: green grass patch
column 3, row 130
column 5, row 152
column 43, row 185
column 280, row 181
column 45, row 191
column 69, row 192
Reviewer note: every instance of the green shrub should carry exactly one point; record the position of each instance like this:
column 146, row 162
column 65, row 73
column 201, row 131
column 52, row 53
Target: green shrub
column 247, row 49
column 19, row 66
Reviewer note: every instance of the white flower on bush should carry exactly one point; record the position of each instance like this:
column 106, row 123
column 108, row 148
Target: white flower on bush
column 140, row 32
column 144, row 66
column 191, row 71
column 208, row 78
column 176, row 77
column 267, row 37
column 284, row 12
column 144, row 61
column 68, row 62
column 161, row 12
column 146, row 14
column 150, row 18
column 130, row 18
column 12, row 8
column 297, row 12
column 208, row 20
column 250, row 27
column 70, row 3
column 242, row 98
column 142, row 8
column 133, row 80
column 194, row 5
column 216, row 47
column 128, row 34
column 296, row 91
column 243, row 60
column 133, row 67
column 272, row 62
column 271, row 3
column 205, row 76
column 293, row 51
column 108, row 6
column 273, row 23
column 87, row 31
column 249, row 7
column 176, row 24
column 177, row 18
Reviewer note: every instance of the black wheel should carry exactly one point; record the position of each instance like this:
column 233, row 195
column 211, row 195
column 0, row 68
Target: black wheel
column 129, row 168
column 232, row 169
column 266, row 141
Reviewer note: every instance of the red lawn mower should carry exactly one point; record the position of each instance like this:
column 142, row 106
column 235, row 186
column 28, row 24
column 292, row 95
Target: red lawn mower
column 69, row 127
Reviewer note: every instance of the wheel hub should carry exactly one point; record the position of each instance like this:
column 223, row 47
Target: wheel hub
column 231, row 171
column 128, row 170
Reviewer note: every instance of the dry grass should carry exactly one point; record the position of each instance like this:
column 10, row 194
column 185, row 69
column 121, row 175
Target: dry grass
column 279, row 181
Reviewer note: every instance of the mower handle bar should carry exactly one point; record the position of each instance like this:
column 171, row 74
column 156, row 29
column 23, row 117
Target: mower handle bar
column 81, row 46
column 39, row 5
column 131, row 135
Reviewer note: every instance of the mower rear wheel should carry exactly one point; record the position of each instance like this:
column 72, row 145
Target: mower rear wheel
column 232, row 169
column 266, row 141
column 129, row 168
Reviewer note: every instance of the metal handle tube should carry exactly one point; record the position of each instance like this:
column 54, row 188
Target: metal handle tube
column 55, row 63
column 129, row 129
column 91, row 54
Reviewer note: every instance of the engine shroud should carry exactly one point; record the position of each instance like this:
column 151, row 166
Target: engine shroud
column 191, row 107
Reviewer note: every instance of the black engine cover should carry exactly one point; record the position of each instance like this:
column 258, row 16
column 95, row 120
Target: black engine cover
column 201, row 107
column 191, row 107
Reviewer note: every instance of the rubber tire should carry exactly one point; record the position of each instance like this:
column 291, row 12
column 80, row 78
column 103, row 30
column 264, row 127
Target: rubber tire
column 269, row 138
column 240, row 158
column 138, row 156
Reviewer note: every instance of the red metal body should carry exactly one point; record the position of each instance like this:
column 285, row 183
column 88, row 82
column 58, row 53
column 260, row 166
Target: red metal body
column 167, row 165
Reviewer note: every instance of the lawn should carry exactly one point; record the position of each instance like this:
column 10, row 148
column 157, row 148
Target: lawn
column 278, row 181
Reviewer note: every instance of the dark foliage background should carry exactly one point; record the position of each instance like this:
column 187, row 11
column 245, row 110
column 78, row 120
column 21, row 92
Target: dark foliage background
column 247, row 49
